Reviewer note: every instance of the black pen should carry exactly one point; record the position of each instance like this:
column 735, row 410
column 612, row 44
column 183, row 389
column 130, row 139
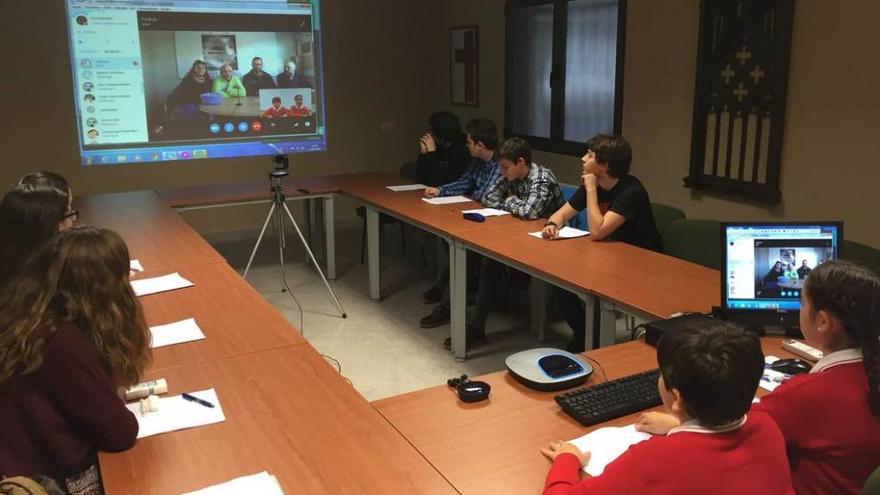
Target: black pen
column 195, row 399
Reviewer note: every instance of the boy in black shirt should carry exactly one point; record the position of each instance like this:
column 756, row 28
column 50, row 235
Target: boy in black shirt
column 618, row 208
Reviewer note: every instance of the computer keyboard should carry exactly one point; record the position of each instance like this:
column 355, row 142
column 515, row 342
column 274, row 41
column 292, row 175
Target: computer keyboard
column 612, row 399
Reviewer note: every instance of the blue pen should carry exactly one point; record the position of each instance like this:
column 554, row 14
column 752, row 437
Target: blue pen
column 195, row 399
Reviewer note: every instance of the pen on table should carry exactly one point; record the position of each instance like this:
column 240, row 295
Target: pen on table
column 304, row 191
column 195, row 399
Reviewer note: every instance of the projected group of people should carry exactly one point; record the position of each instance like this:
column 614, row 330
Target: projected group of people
column 189, row 94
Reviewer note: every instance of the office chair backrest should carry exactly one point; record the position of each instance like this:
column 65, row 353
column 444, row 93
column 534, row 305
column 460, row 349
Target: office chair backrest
column 694, row 240
column 862, row 253
column 665, row 215
column 872, row 485
column 579, row 221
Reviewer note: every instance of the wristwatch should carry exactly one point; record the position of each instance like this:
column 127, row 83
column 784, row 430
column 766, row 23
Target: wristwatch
column 551, row 222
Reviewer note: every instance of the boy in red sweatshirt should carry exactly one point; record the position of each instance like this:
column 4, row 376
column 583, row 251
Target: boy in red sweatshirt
column 709, row 372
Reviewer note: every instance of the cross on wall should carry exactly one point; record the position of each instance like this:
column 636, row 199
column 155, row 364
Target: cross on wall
column 740, row 92
column 743, row 55
column 727, row 74
column 757, row 74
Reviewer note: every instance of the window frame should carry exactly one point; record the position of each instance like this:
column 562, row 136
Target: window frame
column 556, row 143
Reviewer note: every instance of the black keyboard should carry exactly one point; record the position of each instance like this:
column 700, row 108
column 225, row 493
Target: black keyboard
column 612, row 399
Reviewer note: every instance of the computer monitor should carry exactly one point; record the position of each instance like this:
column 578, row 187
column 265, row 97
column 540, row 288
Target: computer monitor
column 764, row 265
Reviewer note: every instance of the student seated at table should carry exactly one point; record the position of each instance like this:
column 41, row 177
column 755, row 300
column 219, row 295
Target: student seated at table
column 443, row 153
column 618, row 208
column 73, row 337
column 526, row 190
column 804, row 270
column 298, row 109
column 830, row 418
column 227, row 84
column 709, row 372
column 184, row 101
column 256, row 79
column 276, row 111
column 482, row 139
column 30, row 215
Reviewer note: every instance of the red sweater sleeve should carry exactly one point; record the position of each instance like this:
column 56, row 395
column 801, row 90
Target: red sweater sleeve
column 563, row 475
column 84, row 393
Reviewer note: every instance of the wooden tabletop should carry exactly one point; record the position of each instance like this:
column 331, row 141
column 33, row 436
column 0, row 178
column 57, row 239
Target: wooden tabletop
column 235, row 318
column 493, row 447
column 288, row 412
column 155, row 234
column 651, row 283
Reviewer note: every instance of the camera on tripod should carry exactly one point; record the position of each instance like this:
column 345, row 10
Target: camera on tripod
column 282, row 164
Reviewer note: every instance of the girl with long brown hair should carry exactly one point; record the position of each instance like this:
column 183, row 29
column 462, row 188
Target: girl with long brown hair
column 72, row 336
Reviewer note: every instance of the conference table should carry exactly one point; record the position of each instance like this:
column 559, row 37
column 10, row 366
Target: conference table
column 287, row 410
column 290, row 413
column 607, row 276
column 493, row 446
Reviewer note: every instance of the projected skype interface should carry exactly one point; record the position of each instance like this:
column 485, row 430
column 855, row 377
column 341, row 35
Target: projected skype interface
column 177, row 80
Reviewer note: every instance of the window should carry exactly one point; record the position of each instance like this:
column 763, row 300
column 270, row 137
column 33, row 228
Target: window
column 564, row 71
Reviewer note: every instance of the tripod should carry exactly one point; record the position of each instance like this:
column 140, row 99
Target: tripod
column 276, row 213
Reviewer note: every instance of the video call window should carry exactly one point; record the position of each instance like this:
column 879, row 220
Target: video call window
column 768, row 264
column 175, row 80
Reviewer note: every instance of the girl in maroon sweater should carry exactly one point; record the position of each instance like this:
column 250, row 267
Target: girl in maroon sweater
column 72, row 337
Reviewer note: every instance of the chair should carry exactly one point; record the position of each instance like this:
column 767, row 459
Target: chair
column 407, row 171
column 383, row 221
column 579, row 221
column 694, row 240
column 872, row 485
column 665, row 215
column 862, row 253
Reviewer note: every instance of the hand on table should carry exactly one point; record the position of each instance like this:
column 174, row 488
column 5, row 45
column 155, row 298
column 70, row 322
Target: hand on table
column 556, row 448
column 550, row 232
column 656, row 423
column 431, row 192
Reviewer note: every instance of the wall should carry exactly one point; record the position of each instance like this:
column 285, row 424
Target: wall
column 829, row 169
column 375, row 72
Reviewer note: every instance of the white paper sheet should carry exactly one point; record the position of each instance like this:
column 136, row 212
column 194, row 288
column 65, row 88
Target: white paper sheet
column 406, row 187
column 564, row 233
column 176, row 333
column 147, row 286
column 447, row 200
column 176, row 413
column 261, row 483
column 136, row 266
column 488, row 212
column 772, row 378
column 606, row 444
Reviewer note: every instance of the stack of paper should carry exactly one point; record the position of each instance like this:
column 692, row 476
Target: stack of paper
column 262, row 483
column 564, row 233
column 177, row 413
column 771, row 378
column 487, row 212
column 406, row 187
column 606, row 444
column 147, row 286
column 176, row 333
column 447, row 200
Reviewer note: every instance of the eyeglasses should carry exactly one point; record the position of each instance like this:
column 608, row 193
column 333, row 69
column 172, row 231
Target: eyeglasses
column 73, row 215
